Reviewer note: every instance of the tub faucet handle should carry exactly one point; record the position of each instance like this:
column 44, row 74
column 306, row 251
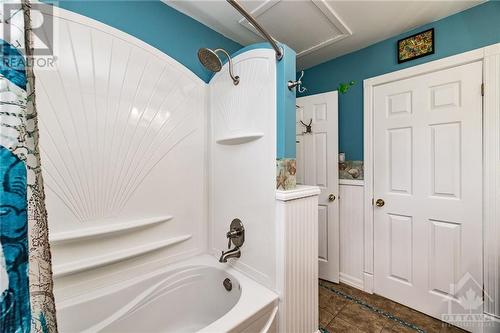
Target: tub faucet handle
column 236, row 234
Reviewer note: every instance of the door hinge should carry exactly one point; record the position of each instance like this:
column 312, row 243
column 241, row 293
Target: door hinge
column 482, row 89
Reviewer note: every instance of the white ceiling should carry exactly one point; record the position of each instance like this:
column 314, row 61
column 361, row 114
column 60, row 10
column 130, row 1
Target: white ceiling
column 319, row 30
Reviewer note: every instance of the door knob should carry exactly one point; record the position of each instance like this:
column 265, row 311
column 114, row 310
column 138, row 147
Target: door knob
column 331, row 197
column 379, row 202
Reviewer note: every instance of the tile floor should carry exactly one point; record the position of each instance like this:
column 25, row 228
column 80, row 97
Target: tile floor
column 361, row 312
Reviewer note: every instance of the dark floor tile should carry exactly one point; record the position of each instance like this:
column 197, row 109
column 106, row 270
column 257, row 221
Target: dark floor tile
column 380, row 302
column 340, row 326
column 397, row 328
column 362, row 318
column 348, row 312
column 425, row 322
column 451, row 329
column 335, row 304
column 324, row 297
column 388, row 329
column 325, row 318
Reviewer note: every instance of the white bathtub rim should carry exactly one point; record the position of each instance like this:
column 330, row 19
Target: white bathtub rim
column 253, row 299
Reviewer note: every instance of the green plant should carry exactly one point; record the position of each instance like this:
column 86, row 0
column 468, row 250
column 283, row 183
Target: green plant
column 344, row 87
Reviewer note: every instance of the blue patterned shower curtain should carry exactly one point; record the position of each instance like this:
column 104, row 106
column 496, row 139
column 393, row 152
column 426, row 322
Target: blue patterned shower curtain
column 26, row 299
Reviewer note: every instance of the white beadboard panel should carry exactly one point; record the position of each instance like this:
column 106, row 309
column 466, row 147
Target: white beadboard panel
column 297, row 268
column 351, row 234
column 120, row 123
column 491, row 129
column 242, row 174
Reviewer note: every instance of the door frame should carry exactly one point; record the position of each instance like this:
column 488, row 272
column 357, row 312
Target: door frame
column 490, row 56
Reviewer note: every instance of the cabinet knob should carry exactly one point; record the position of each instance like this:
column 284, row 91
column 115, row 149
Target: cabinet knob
column 331, row 197
column 379, row 202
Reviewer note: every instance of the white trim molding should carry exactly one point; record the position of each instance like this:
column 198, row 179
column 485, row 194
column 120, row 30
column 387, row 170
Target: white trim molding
column 491, row 158
column 301, row 191
column 490, row 56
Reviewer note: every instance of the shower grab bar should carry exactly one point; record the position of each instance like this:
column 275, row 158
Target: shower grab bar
column 249, row 17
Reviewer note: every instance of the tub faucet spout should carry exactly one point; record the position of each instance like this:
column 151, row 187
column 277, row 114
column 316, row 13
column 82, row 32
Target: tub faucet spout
column 233, row 253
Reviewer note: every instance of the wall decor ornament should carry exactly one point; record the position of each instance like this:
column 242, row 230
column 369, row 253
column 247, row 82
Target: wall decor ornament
column 416, row 46
column 345, row 86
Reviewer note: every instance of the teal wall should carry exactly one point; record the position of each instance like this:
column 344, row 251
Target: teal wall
column 157, row 24
column 286, row 105
column 465, row 31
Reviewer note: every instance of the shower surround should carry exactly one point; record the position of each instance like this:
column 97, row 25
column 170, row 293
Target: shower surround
column 146, row 165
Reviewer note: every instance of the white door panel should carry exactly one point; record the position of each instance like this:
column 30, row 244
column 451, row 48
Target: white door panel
column 317, row 164
column 323, row 232
column 428, row 170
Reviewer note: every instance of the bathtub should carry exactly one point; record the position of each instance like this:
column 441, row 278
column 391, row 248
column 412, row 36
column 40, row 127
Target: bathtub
column 186, row 297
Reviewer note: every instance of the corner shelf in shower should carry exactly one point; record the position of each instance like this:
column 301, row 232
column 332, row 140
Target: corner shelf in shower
column 239, row 139
column 113, row 257
column 77, row 235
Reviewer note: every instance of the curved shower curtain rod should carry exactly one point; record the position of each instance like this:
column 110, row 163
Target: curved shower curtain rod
column 264, row 33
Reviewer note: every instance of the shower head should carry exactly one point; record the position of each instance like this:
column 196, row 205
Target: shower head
column 211, row 61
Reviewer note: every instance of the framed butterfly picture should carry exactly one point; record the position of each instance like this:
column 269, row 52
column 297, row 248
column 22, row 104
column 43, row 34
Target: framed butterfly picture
column 416, row 46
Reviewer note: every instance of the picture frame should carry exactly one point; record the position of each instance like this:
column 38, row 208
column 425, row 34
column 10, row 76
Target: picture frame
column 416, row 46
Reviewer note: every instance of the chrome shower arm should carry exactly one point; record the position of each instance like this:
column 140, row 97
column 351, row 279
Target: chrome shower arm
column 264, row 33
column 236, row 79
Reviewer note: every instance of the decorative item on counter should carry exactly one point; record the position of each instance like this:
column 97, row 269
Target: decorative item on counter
column 286, row 170
column 344, row 87
column 342, row 163
column 351, row 170
column 416, row 46
column 354, row 173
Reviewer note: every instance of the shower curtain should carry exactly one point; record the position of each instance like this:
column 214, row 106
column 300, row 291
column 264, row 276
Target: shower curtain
column 26, row 299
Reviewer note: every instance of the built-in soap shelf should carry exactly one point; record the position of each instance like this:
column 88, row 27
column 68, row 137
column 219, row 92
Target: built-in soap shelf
column 99, row 231
column 113, row 257
column 239, row 139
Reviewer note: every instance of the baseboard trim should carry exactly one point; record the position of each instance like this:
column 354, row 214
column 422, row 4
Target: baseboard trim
column 351, row 281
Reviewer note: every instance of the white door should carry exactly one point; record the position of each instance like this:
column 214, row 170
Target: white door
column 317, row 164
column 428, row 171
